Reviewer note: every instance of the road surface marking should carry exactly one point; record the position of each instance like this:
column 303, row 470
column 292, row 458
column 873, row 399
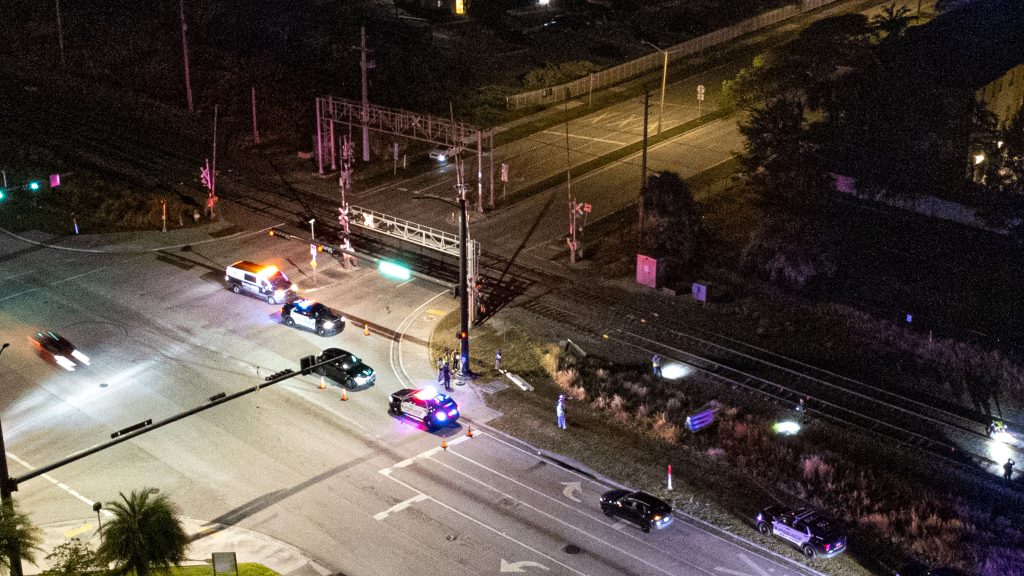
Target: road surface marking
column 400, row 506
column 76, row 531
column 58, row 484
column 592, row 139
column 753, row 566
column 571, row 487
column 507, row 566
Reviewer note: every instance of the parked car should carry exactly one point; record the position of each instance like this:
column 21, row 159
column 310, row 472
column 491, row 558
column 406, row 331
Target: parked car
column 60, row 350
column 345, row 368
column 810, row 531
column 640, row 508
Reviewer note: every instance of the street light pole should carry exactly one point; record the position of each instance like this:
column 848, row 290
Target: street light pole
column 664, row 80
column 6, row 491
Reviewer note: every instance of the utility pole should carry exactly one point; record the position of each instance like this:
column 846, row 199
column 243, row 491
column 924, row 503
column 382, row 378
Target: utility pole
column 363, row 66
column 643, row 168
column 571, row 240
column 255, row 131
column 60, row 36
column 184, row 54
column 7, row 489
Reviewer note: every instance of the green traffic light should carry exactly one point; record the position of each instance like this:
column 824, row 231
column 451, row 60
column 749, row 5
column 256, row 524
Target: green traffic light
column 394, row 270
column 3, row 194
column 34, row 185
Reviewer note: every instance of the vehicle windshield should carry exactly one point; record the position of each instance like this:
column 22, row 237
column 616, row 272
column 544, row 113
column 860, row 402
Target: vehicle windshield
column 279, row 280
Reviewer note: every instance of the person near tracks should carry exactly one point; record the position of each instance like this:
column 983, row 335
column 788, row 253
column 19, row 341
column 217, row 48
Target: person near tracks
column 560, row 412
column 1008, row 469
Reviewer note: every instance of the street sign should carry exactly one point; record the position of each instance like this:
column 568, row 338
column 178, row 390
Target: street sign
column 700, row 92
column 312, row 251
column 504, row 172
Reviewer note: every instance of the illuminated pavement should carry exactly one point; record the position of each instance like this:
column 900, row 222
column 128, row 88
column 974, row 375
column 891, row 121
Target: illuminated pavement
column 357, row 491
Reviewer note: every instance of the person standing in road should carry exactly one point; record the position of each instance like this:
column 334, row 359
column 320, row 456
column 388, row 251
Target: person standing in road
column 560, row 411
column 447, row 373
column 440, row 368
column 1008, row 469
column 656, row 365
column 497, row 359
column 801, row 411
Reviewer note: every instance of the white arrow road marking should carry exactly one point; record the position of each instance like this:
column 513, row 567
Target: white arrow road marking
column 571, row 487
column 507, row 566
column 400, row 506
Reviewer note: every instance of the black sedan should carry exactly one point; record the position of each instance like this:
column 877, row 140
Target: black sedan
column 345, row 368
column 60, row 350
column 640, row 508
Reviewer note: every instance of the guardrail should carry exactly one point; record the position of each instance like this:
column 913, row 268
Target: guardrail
column 635, row 68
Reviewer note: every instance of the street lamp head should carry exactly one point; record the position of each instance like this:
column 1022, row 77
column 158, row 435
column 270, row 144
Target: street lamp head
column 312, row 220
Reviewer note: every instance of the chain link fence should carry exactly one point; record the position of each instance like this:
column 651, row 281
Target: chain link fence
column 640, row 66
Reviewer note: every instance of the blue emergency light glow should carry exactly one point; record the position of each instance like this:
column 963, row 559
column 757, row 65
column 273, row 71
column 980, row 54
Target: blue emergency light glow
column 394, row 270
column 441, row 416
column 304, row 304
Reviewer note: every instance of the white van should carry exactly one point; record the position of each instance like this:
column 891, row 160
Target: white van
column 262, row 281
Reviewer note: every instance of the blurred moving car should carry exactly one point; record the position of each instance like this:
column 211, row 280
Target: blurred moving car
column 640, row 508
column 442, row 154
column 426, row 405
column 345, row 368
column 60, row 350
column 312, row 315
column 810, row 531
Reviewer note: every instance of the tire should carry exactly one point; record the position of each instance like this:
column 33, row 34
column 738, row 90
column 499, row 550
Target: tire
column 646, row 528
column 392, row 410
column 236, row 289
column 350, row 384
column 764, row 528
column 607, row 512
column 271, row 299
column 289, row 321
column 807, row 551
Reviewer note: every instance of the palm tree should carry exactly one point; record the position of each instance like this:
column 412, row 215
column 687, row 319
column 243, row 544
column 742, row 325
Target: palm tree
column 144, row 534
column 892, row 22
column 17, row 532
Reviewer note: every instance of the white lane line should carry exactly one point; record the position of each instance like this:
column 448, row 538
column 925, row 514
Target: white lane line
column 592, row 139
column 18, row 275
column 558, row 520
column 752, row 564
column 400, row 506
column 57, row 483
column 705, row 527
column 491, row 528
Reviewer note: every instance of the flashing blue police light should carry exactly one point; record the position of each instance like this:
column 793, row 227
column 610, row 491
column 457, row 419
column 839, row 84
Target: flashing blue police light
column 441, row 416
column 394, row 270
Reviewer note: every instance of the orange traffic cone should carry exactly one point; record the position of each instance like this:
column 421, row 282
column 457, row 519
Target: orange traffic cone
column 469, row 431
column 322, row 383
column 366, row 329
column 344, row 395
column 444, row 444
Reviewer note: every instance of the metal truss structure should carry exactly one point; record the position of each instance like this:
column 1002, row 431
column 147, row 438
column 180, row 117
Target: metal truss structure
column 420, row 235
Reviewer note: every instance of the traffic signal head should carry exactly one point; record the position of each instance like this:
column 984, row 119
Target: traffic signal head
column 461, row 335
column 3, row 194
column 394, row 270
column 33, row 185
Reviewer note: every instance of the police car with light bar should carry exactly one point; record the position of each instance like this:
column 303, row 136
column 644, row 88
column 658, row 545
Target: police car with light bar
column 811, row 532
column 432, row 408
column 262, row 281
column 313, row 316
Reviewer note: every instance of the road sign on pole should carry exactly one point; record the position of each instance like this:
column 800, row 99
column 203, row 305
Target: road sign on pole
column 700, row 98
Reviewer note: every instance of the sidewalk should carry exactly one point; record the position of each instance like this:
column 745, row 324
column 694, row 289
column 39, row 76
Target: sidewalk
column 207, row 538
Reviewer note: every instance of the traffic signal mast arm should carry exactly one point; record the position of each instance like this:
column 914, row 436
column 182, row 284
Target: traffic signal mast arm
column 215, row 400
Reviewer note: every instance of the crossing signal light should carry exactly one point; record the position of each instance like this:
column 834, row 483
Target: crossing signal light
column 462, row 335
column 33, row 185
column 3, row 194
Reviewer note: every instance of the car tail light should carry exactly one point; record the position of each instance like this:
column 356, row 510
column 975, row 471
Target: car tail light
column 828, row 547
column 453, row 412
